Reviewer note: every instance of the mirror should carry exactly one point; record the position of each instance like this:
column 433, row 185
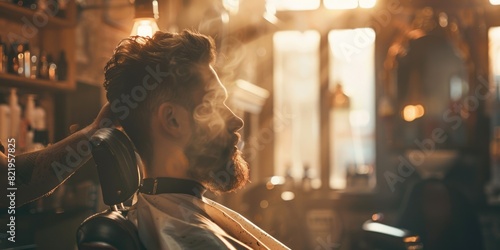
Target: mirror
column 431, row 85
column 427, row 86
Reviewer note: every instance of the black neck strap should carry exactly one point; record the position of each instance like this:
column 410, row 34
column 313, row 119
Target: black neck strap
column 164, row 185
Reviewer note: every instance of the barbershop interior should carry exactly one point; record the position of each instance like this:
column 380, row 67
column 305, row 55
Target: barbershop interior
column 368, row 124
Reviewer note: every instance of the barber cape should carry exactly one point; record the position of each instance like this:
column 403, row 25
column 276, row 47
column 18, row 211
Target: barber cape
column 173, row 220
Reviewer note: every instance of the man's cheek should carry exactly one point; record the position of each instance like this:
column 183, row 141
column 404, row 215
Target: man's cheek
column 212, row 130
column 216, row 126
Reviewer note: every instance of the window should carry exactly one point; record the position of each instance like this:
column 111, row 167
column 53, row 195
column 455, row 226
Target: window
column 296, row 103
column 352, row 112
column 494, row 50
column 494, row 37
column 349, row 4
column 294, row 4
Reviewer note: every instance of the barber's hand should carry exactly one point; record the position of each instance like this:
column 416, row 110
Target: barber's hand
column 3, row 157
column 105, row 118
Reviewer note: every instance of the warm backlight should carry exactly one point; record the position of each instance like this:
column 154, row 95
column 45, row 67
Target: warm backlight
column 145, row 27
column 412, row 112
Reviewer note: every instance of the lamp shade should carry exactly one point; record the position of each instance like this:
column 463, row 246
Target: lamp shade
column 146, row 27
column 146, row 13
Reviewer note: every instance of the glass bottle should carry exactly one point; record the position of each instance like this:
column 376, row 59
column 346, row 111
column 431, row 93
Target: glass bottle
column 52, row 70
column 43, row 66
column 19, row 62
column 27, row 60
column 306, row 179
column 62, row 67
column 34, row 63
column 12, row 59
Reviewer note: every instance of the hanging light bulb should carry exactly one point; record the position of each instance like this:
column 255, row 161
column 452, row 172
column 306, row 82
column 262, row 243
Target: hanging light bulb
column 144, row 27
column 146, row 13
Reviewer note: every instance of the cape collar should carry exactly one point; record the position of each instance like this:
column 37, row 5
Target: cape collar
column 165, row 185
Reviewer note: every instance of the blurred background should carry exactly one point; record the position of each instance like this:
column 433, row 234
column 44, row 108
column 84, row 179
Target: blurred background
column 349, row 107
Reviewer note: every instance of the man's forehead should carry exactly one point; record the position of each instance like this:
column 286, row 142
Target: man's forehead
column 213, row 86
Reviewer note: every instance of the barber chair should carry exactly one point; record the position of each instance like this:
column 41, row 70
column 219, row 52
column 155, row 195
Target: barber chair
column 378, row 235
column 119, row 176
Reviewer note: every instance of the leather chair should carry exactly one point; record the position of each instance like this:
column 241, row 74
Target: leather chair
column 119, row 176
column 379, row 235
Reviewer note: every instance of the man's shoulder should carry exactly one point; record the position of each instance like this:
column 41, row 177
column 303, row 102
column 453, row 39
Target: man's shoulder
column 170, row 210
column 176, row 225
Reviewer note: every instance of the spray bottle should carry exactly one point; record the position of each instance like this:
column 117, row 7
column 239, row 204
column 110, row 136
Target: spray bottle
column 29, row 116
column 40, row 127
column 15, row 114
column 4, row 119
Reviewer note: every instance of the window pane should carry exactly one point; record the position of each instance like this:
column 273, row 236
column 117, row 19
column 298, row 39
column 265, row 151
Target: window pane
column 494, row 50
column 352, row 113
column 296, row 102
column 494, row 37
column 341, row 4
column 294, row 4
column 367, row 3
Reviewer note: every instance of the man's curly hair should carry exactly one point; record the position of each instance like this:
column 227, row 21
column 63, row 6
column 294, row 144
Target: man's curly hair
column 135, row 91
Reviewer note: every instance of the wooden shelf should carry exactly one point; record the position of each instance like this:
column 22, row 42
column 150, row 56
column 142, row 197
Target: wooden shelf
column 24, row 15
column 52, row 35
column 55, row 34
column 9, row 80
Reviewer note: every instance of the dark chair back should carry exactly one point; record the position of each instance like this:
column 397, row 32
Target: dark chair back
column 116, row 164
column 119, row 176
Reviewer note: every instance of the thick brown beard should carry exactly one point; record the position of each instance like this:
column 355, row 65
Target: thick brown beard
column 218, row 174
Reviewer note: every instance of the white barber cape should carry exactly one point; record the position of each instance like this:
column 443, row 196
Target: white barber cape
column 174, row 221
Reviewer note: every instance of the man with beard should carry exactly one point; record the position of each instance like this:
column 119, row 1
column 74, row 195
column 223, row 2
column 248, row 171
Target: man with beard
column 171, row 104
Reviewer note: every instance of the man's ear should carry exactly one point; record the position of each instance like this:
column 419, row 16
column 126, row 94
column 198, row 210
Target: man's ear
column 171, row 118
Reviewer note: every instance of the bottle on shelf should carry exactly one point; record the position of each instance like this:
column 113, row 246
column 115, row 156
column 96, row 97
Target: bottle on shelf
column 43, row 66
column 29, row 120
column 62, row 4
column 27, row 60
column 52, row 70
column 29, row 111
column 62, row 67
column 4, row 119
column 19, row 63
column 306, row 179
column 30, row 4
column 34, row 63
column 11, row 58
column 40, row 122
column 15, row 114
column 39, row 125
column 3, row 56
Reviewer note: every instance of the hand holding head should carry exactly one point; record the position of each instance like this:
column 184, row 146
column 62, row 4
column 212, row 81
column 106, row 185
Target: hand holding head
column 105, row 118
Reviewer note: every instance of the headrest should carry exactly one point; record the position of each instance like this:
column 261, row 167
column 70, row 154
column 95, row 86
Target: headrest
column 116, row 164
column 109, row 230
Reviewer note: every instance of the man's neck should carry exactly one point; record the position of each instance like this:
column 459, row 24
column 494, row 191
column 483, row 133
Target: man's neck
column 173, row 164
